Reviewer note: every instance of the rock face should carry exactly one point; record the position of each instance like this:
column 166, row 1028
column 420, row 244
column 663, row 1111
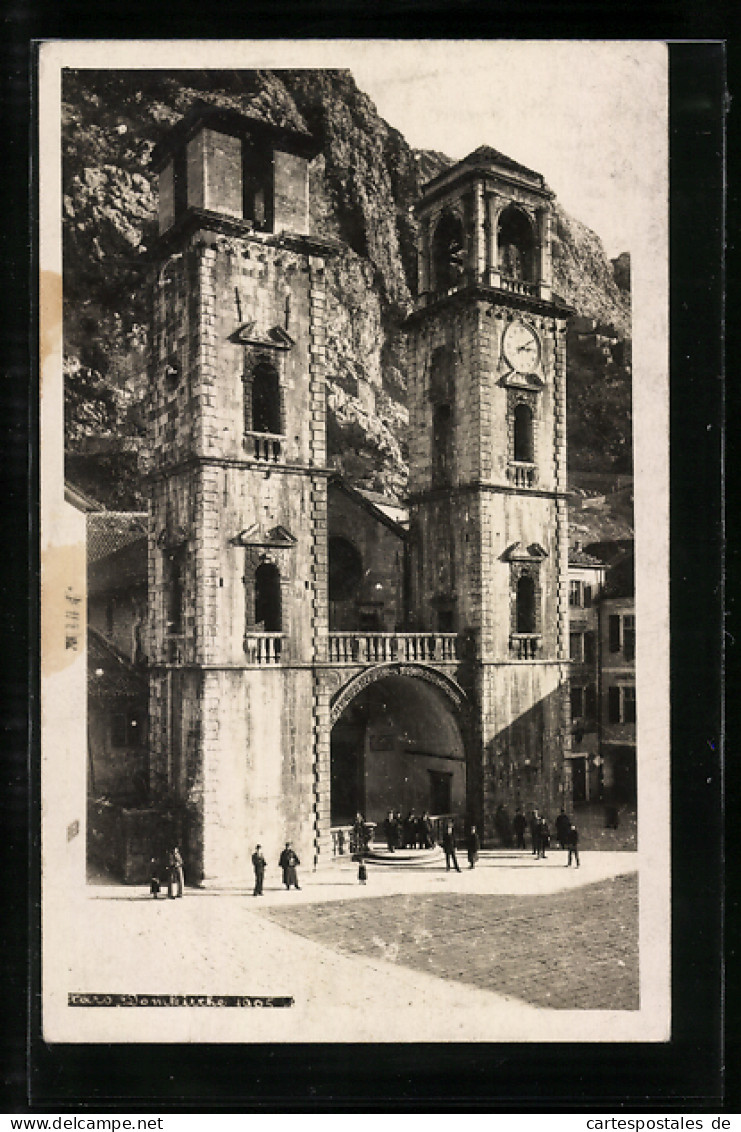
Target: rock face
column 363, row 185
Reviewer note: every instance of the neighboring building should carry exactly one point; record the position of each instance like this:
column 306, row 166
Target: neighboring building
column 117, row 579
column 586, row 579
column 307, row 656
column 618, row 692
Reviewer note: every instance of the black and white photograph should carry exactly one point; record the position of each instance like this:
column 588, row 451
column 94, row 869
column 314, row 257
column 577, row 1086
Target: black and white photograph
column 354, row 541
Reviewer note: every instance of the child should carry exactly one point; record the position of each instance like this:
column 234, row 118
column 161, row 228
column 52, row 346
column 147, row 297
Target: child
column 362, row 870
column 154, row 881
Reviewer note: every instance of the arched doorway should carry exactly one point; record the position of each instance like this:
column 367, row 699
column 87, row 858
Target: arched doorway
column 397, row 745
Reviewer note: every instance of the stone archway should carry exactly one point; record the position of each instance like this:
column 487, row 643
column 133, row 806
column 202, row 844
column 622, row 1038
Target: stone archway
column 398, row 741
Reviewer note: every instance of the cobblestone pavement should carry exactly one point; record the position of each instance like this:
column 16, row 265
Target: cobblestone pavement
column 572, row 950
column 116, row 939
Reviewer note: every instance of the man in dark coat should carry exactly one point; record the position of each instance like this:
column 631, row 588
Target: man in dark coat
column 449, row 847
column 572, row 844
column 175, row 877
column 563, row 825
column 258, row 864
column 473, row 844
column 535, row 832
column 544, row 837
column 288, row 862
column 390, row 832
column 519, row 824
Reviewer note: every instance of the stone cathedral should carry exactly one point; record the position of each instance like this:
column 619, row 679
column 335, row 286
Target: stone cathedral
column 309, row 657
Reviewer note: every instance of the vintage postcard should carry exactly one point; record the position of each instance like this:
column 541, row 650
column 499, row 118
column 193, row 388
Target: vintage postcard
column 354, row 498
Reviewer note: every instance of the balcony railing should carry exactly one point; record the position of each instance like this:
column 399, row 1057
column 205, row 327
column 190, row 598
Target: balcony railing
column 380, row 648
column 264, row 648
column 518, row 286
column 521, row 474
column 525, row 646
column 265, row 446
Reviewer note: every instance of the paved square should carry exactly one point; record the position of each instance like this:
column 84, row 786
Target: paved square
column 569, row 950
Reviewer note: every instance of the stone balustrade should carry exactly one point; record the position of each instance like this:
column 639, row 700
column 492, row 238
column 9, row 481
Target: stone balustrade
column 380, row 648
column 521, row 474
column 264, row 648
column 525, row 646
column 264, row 446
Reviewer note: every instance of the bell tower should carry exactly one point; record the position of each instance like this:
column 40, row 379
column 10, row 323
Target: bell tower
column 488, row 519
column 237, row 549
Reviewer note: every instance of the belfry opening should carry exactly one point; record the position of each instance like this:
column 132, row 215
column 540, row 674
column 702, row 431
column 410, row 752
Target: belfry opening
column 397, row 745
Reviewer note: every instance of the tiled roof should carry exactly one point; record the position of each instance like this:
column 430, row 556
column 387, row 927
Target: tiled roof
column 579, row 557
column 108, row 673
column 108, row 531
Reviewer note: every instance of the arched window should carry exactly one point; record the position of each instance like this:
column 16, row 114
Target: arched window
column 265, row 401
column 525, row 622
column 516, row 244
column 345, row 570
column 442, row 445
column 267, row 598
column 524, row 450
column 447, row 253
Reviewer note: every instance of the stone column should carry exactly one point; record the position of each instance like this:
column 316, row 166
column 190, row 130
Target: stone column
column 479, row 236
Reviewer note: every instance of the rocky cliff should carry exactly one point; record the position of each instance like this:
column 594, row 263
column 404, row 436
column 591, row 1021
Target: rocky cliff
column 363, row 185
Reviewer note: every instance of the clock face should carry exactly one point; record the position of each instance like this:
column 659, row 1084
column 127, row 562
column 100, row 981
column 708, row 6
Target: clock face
column 521, row 347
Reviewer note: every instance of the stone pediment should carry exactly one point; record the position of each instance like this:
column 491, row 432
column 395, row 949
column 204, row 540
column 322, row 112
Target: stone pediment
column 276, row 338
column 276, row 538
column 516, row 552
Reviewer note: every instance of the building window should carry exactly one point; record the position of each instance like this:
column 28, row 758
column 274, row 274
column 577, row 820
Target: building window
column 629, row 704
column 175, row 561
column 268, row 617
column 525, row 620
column 442, row 445
column 447, row 253
column 580, row 594
column 576, row 647
column 629, row 637
column 524, row 450
column 127, row 730
column 516, row 245
column 264, row 401
column 577, row 703
column 345, row 570
column 590, row 648
column 621, row 703
column 622, row 635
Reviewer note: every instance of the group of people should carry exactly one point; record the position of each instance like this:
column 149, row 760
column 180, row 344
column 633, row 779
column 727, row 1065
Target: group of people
column 173, row 871
column 411, row 832
column 288, row 863
column 567, row 834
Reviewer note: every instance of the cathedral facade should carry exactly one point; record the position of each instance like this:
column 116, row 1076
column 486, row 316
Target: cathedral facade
column 310, row 657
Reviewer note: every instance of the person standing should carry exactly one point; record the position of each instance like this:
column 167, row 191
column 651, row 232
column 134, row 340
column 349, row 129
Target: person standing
column 389, row 829
column 259, row 864
column 362, row 870
column 154, row 878
column 175, row 877
column 563, row 825
column 449, row 847
column 426, row 831
column 473, row 845
column 519, row 824
column 288, row 862
column 535, row 832
column 572, row 844
column 544, row 838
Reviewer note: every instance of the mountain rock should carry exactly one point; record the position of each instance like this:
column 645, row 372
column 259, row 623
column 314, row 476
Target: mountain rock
column 363, row 185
